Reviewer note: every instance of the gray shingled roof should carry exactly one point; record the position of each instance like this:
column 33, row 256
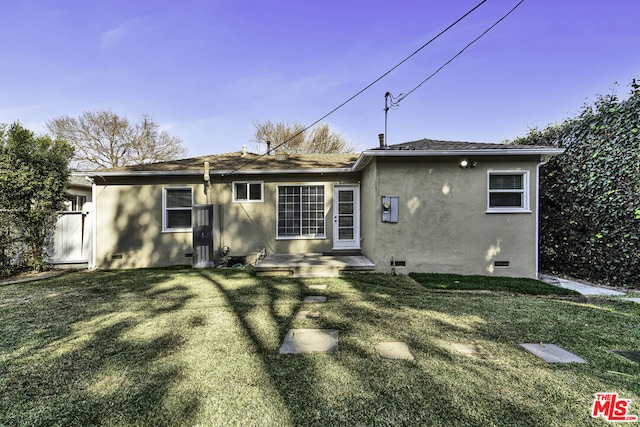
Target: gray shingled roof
column 435, row 145
column 255, row 163
column 250, row 161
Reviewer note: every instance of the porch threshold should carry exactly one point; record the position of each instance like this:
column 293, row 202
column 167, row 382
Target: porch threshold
column 312, row 265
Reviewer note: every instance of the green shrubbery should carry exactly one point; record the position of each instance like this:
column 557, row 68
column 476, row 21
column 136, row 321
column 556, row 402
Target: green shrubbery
column 33, row 181
column 590, row 195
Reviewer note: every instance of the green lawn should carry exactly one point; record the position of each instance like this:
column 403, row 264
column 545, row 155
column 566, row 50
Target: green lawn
column 200, row 347
column 475, row 283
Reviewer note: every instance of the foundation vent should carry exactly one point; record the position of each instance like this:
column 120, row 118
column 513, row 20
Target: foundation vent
column 501, row 264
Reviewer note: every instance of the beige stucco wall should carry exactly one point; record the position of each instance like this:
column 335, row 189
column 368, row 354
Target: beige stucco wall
column 443, row 224
column 369, row 206
column 129, row 220
column 249, row 227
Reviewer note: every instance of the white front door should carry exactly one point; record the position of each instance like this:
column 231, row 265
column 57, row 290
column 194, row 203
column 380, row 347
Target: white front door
column 346, row 217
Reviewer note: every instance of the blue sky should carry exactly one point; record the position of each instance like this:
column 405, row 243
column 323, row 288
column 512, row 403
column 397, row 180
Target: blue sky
column 207, row 70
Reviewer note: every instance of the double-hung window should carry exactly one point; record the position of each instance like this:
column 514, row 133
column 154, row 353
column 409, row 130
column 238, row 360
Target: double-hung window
column 300, row 211
column 250, row 191
column 176, row 208
column 77, row 203
column 508, row 191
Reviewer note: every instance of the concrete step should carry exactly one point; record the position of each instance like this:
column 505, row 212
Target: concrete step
column 311, row 265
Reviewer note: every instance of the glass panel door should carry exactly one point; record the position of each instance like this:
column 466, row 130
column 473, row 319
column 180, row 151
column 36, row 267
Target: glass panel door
column 346, row 217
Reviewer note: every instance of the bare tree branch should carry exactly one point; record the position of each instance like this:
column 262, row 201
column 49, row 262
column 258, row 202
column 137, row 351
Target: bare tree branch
column 292, row 138
column 105, row 140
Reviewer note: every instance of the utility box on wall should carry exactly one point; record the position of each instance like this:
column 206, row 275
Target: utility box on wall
column 390, row 209
column 202, row 226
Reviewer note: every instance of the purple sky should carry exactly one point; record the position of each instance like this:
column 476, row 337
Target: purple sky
column 207, row 70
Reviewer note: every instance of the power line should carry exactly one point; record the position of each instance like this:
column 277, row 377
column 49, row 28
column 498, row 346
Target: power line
column 366, row 87
column 401, row 97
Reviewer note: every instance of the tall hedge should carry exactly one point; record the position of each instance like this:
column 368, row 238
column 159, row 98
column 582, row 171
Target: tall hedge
column 33, row 179
column 590, row 194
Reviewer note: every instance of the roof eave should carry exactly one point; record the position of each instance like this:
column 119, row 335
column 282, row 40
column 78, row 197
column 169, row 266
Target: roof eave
column 156, row 173
column 366, row 155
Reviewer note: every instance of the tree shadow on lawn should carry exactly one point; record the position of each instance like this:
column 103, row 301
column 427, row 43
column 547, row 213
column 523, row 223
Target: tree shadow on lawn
column 100, row 353
column 355, row 386
column 76, row 358
column 588, row 326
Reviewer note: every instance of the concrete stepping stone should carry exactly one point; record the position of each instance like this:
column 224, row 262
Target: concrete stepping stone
column 636, row 300
column 472, row 350
column 394, row 350
column 315, row 299
column 298, row 341
column 318, row 287
column 307, row 314
column 551, row 353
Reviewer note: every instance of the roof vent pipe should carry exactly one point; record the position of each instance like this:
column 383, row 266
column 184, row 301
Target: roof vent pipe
column 381, row 138
column 244, row 150
column 268, row 147
column 281, row 156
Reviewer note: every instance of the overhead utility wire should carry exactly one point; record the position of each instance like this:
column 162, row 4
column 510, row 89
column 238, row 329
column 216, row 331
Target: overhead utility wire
column 401, row 97
column 365, row 88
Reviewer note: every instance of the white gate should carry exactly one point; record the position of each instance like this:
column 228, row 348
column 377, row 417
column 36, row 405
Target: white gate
column 72, row 238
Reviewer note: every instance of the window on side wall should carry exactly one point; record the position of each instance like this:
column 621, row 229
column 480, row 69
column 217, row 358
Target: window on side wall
column 249, row 191
column 77, row 202
column 508, row 191
column 300, row 212
column 176, row 206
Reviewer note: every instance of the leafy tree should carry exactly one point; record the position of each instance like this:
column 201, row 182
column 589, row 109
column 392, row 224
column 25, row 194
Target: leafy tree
column 294, row 139
column 105, row 140
column 33, row 181
column 590, row 195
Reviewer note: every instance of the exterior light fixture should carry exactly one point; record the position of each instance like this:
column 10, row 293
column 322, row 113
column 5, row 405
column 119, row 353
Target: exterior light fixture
column 466, row 164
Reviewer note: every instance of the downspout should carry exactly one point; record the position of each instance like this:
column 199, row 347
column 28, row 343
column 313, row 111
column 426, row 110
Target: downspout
column 94, row 224
column 207, row 181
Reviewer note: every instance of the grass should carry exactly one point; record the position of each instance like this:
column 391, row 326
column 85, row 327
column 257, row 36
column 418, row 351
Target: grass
column 470, row 283
column 200, row 347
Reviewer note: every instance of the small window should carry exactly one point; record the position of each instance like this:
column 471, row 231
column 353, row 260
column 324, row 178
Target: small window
column 77, row 202
column 508, row 191
column 177, row 204
column 247, row 191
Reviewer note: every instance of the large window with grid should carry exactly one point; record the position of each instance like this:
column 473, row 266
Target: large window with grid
column 508, row 191
column 300, row 211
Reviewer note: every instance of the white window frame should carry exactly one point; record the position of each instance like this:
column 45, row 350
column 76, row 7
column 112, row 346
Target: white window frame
column 323, row 235
column 165, row 210
column 526, row 196
column 77, row 201
column 248, row 184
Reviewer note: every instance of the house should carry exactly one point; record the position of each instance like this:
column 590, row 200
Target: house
column 430, row 206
